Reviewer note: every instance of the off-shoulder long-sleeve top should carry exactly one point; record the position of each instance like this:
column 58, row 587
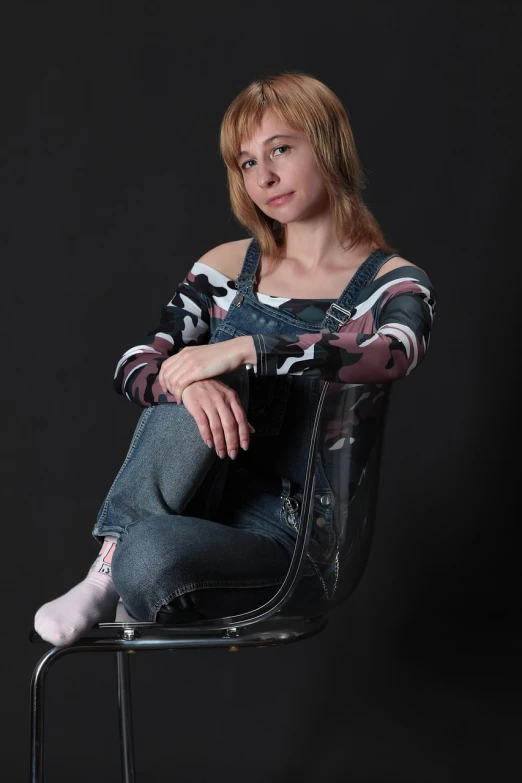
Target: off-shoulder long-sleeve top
column 384, row 341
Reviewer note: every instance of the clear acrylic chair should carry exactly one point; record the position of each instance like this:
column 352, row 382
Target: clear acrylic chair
column 352, row 465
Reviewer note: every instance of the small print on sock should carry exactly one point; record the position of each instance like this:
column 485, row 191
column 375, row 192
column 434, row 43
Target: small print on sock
column 102, row 564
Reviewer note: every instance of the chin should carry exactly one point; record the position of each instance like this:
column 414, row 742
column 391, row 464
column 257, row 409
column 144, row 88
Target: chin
column 286, row 213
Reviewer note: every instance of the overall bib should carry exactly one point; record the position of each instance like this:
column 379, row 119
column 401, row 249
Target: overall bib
column 172, row 564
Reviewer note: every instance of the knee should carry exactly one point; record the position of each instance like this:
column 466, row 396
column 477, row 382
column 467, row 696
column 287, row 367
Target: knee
column 152, row 560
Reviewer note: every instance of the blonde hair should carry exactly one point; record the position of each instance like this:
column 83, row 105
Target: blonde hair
column 309, row 106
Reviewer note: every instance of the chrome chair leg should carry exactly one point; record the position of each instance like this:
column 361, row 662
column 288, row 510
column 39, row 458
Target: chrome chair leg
column 37, row 705
column 37, row 713
column 125, row 716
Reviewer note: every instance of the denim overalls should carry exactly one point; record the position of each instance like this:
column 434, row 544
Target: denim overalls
column 282, row 408
column 171, row 559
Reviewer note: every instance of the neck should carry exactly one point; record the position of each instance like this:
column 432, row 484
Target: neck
column 315, row 247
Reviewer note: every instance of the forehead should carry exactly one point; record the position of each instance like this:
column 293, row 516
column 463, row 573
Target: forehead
column 269, row 126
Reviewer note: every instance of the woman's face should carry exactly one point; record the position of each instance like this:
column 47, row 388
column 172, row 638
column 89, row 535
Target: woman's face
column 278, row 160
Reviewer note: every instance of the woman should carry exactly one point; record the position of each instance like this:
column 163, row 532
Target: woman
column 315, row 293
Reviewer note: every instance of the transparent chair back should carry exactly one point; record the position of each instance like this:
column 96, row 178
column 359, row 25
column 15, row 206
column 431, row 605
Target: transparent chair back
column 347, row 439
column 350, row 438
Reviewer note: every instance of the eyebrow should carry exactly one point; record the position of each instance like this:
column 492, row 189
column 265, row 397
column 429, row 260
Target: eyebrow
column 267, row 141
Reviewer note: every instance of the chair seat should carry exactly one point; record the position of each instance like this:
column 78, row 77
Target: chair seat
column 134, row 635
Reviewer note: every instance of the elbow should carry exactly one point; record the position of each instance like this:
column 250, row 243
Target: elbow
column 119, row 385
column 406, row 360
column 406, row 368
column 130, row 391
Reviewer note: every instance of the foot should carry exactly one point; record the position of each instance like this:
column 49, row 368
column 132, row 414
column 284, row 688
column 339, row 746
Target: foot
column 70, row 616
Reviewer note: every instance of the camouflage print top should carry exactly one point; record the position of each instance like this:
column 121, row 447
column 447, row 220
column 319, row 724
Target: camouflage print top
column 385, row 340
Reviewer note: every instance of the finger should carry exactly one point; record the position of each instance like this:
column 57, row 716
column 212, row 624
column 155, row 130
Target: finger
column 166, row 378
column 161, row 379
column 218, row 436
column 170, row 369
column 230, row 427
column 242, row 423
column 201, row 419
column 169, row 362
column 170, row 387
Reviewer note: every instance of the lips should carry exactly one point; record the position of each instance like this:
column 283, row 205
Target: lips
column 276, row 198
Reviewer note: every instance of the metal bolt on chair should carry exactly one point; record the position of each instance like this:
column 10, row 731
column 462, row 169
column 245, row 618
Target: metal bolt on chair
column 347, row 436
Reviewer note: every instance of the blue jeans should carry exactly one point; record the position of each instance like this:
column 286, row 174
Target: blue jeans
column 197, row 536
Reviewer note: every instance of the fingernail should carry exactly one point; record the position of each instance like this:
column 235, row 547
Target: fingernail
column 222, row 454
column 209, row 444
column 233, row 454
column 244, row 445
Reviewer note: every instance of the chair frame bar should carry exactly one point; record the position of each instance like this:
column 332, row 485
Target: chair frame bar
column 132, row 637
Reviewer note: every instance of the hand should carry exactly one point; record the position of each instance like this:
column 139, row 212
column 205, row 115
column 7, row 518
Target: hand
column 217, row 411
column 198, row 362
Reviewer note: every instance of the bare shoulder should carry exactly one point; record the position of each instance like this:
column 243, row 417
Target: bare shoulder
column 394, row 263
column 227, row 258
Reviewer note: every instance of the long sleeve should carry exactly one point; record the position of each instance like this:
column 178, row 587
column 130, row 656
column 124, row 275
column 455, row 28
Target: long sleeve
column 184, row 321
column 385, row 339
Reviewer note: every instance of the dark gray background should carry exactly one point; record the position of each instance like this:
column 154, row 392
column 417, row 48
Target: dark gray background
column 115, row 186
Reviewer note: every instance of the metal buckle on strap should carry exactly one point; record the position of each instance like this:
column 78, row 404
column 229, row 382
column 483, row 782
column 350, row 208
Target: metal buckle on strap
column 289, row 503
column 247, row 283
column 348, row 313
column 291, row 508
column 242, row 279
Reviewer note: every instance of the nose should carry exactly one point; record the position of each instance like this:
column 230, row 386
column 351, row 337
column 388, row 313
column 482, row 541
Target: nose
column 265, row 176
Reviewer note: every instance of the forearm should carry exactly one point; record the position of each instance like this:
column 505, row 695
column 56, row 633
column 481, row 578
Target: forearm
column 359, row 352
column 139, row 382
column 355, row 358
column 183, row 322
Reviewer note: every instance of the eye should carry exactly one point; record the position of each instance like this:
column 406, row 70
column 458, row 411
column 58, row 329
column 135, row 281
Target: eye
column 284, row 147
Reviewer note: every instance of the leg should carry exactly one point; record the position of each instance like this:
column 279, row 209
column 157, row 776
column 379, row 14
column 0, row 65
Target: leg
column 166, row 463
column 161, row 558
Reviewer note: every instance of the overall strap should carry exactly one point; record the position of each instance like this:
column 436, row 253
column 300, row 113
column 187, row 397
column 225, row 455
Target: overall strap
column 286, row 490
column 245, row 279
column 343, row 309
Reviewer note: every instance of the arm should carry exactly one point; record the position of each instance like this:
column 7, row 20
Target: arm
column 385, row 340
column 184, row 321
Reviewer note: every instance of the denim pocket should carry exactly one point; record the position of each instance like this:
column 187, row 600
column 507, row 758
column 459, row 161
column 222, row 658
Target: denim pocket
column 223, row 333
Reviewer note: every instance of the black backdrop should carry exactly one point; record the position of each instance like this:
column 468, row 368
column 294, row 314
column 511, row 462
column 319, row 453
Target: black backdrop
column 114, row 188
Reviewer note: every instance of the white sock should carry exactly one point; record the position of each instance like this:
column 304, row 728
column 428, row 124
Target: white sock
column 92, row 601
